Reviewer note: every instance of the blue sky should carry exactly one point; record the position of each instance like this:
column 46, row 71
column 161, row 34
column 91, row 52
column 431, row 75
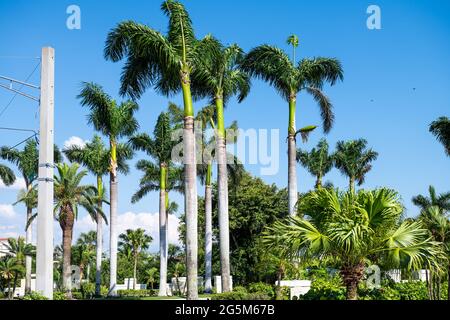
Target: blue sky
column 376, row 101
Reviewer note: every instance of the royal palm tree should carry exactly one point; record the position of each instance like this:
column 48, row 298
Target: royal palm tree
column 354, row 161
column 7, row 176
column 114, row 121
column 318, row 161
column 27, row 162
column 219, row 78
column 441, row 129
column 271, row 64
column 95, row 156
column 166, row 63
column 442, row 201
column 352, row 229
column 137, row 241
column 69, row 195
column 162, row 176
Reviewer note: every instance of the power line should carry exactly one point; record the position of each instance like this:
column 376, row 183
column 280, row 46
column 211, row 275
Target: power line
column 16, row 94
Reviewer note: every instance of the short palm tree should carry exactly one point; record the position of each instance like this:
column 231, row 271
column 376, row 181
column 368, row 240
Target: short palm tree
column 289, row 78
column 162, row 176
column 95, row 156
column 441, row 129
column 9, row 268
column 318, row 161
column 352, row 229
column 69, row 195
column 151, row 275
column 114, row 121
column 85, row 252
column 27, row 162
column 354, row 160
column 442, row 201
column 137, row 241
column 166, row 62
column 219, row 78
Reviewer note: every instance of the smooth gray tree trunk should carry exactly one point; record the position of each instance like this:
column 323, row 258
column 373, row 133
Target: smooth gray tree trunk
column 113, row 234
column 190, row 177
column 99, row 252
column 292, row 175
column 208, row 239
column 28, row 259
column 224, row 224
column 163, row 249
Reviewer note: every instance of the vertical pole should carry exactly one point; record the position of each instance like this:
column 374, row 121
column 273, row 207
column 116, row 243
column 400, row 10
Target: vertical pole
column 44, row 250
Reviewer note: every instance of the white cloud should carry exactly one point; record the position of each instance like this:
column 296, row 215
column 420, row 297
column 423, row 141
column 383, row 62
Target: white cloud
column 7, row 235
column 74, row 141
column 7, row 211
column 18, row 185
column 3, row 228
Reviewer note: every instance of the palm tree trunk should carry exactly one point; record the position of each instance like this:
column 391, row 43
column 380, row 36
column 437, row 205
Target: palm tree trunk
column 113, row 222
column 28, row 259
column 67, row 252
column 292, row 158
column 190, row 177
column 351, row 186
column 318, row 182
column 208, row 232
column 351, row 276
column 222, row 181
column 163, row 248
column 135, row 271
column 99, row 242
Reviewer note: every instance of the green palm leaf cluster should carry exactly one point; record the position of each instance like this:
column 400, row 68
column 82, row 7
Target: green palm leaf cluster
column 354, row 229
column 441, row 129
column 7, row 176
column 318, row 161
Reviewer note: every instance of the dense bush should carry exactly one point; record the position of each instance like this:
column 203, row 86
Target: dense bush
column 241, row 293
column 34, row 296
column 325, row 288
column 261, row 287
column 136, row 293
column 87, row 290
column 58, row 295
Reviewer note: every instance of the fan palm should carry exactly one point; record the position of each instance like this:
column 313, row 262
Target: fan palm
column 95, row 156
column 441, row 129
column 69, row 195
column 219, row 78
column 137, row 241
column 354, row 161
column 352, row 228
column 161, row 176
column 166, row 63
column 318, row 161
column 113, row 121
column 442, row 201
column 27, row 162
column 271, row 64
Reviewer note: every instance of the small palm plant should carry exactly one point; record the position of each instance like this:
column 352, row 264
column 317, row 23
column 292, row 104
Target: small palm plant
column 69, row 195
column 136, row 241
column 441, row 129
column 352, row 229
column 318, row 161
column 9, row 268
column 114, row 121
column 289, row 78
column 151, row 275
column 354, row 160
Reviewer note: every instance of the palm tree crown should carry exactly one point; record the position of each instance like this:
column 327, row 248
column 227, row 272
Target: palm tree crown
column 318, row 161
column 442, row 201
column 441, row 129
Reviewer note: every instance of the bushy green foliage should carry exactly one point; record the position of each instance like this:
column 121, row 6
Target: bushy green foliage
column 261, row 287
column 136, row 293
column 58, row 295
column 34, row 296
column 88, row 290
column 325, row 288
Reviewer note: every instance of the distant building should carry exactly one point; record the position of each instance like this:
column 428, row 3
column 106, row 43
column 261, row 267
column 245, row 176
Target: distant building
column 3, row 242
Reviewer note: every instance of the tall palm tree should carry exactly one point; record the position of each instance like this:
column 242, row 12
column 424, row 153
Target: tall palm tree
column 442, row 201
column 20, row 250
column 162, row 176
column 441, row 129
column 70, row 194
column 27, row 162
column 137, row 241
column 95, row 156
column 289, row 78
column 7, row 176
column 219, row 78
column 354, row 161
column 166, row 63
column 113, row 121
column 318, row 161
column 352, row 230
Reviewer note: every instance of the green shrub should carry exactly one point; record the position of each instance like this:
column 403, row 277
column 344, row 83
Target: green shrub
column 284, row 293
column 87, row 290
column 262, row 288
column 136, row 293
column 258, row 296
column 236, row 295
column 58, row 295
column 325, row 288
column 77, row 295
column 413, row 290
column 240, row 289
column 34, row 296
column 104, row 290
